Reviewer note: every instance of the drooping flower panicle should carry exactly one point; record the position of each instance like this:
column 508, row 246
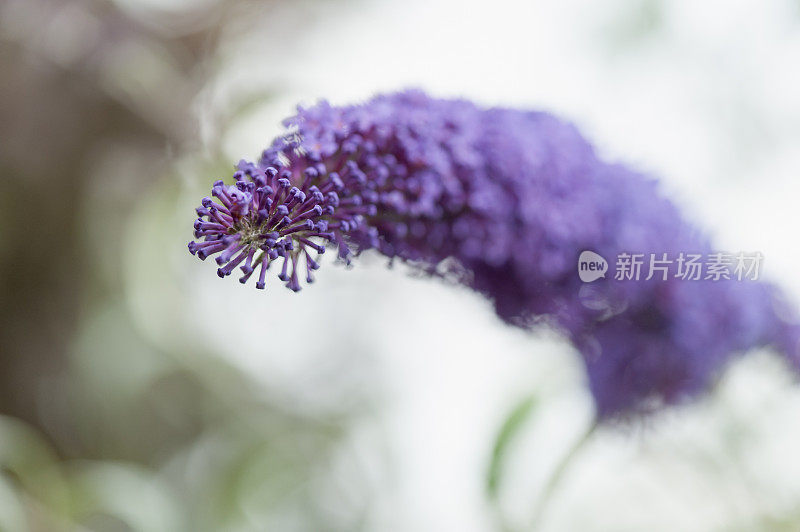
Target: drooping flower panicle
column 505, row 200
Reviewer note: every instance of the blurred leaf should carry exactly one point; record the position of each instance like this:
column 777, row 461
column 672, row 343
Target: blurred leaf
column 248, row 103
column 29, row 460
column 12, row 512
column 129, row 494
column 509, row 430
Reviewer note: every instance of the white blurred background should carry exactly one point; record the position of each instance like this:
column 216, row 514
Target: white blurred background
column 407, row 382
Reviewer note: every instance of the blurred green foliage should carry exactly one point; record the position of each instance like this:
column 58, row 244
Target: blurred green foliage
column 114, row 416
column 106, row 429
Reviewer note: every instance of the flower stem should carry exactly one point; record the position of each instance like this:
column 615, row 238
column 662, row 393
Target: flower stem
column 559, row 474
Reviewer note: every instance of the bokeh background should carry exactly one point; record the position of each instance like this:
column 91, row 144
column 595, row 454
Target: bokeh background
column 139, row 392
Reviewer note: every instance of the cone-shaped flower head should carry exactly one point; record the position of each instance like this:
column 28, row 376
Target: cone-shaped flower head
column 506, row 200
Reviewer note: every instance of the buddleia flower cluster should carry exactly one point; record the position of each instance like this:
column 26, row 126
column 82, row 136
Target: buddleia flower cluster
column 503, row 201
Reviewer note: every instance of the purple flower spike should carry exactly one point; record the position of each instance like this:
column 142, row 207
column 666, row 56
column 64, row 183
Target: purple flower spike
column 504, row 201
